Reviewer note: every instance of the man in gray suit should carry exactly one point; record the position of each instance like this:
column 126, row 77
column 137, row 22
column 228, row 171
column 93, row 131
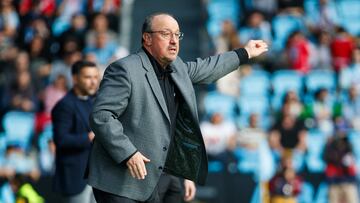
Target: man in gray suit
column 146, row 122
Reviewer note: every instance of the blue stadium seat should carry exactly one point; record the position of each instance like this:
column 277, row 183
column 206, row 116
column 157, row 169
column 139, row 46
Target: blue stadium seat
column 306, row 194
column 316, row 142
column 312, row 11
column 283, row 25
column 284, row 81
column 45, row 156
column 257, row 83
column 322, row 193
column 349, row 14
column 260, row 162
column 259, row 105
column 215, row 102
column 354, row 139
column 220, row 10
column 320, row 79
column 19, row 128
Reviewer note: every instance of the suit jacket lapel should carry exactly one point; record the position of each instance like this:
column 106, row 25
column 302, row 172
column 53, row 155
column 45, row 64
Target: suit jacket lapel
column 154, row 83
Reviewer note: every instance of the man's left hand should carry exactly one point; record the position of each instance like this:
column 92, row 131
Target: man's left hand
column 256, row 47
column 190, row 190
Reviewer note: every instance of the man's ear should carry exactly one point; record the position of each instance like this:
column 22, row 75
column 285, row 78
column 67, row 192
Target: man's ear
column 147, row 39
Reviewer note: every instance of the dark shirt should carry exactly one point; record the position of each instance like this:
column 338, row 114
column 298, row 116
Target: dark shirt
column 289, row 137
column 85, row 106
column 168, row 88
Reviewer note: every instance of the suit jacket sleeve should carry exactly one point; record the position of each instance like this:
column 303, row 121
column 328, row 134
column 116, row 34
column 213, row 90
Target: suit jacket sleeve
column 110, row 103
column 208, row 70
column 63, row 119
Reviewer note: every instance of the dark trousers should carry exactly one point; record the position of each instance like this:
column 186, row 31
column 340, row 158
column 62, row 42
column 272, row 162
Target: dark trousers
column 168, row 190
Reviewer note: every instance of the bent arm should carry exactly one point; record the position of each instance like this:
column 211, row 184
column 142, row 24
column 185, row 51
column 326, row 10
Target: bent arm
column 110, row 103
column 208, row 70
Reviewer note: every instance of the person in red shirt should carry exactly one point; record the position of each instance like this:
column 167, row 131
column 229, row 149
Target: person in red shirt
column 298, row 52
column 342, row 47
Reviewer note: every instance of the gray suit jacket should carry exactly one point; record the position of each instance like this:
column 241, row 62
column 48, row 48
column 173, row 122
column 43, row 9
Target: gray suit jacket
column 130, row 114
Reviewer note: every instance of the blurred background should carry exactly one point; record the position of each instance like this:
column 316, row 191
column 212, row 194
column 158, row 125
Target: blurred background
column 284, row 128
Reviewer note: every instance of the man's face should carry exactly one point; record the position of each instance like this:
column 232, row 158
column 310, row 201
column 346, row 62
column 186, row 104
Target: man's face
column 87, row 81
column 162, row 43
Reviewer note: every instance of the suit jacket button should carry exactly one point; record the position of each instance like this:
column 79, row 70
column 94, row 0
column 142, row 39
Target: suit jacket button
column 160, row 167
column 164, row 148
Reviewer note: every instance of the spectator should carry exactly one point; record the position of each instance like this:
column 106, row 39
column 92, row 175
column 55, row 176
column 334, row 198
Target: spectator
column 256, row 28
column 34, row 8
column 288, row 133
column 322, row 111
column 65, row 10
column 351, row 108
column 340, row 170
column 40, row 62
column 24, row 191
column 100, row 24
column 63, row 67
column 9, row 20
column 298, row 52
column 111, row 8
column 103, row 49
column 286, row 184
column 252, row 136
column 296, row 108
column 228, row 39
column 322, row 55
column 20, row 95
column 218, row 136
column 75, row 32
column 54, row 92
column 342, row 47
column 350, row 76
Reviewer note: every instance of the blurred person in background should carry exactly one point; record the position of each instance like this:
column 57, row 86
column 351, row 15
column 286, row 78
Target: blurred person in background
column 110, row 8
column 218, row 137
column 54, row 92
column 350, row 76
column 298, row 52
column 286, row 184
column 24, row 191
column 65, row 10
column 20, row 95
column 100, row 24
column 322, row 54
column 40, row 62
column 77, row 32
column 351, row 108
column 288, row 133
column 63, row 65
column 256, row 28
column 321, row 111
column 103, row 49
column 296, row 107
column 341, row 47
column 340, row 169
column 73, row 136
column 9, row 21
column 251, row 136
column 228, row 40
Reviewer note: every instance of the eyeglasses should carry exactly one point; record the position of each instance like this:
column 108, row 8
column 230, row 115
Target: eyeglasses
column 168, row 34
